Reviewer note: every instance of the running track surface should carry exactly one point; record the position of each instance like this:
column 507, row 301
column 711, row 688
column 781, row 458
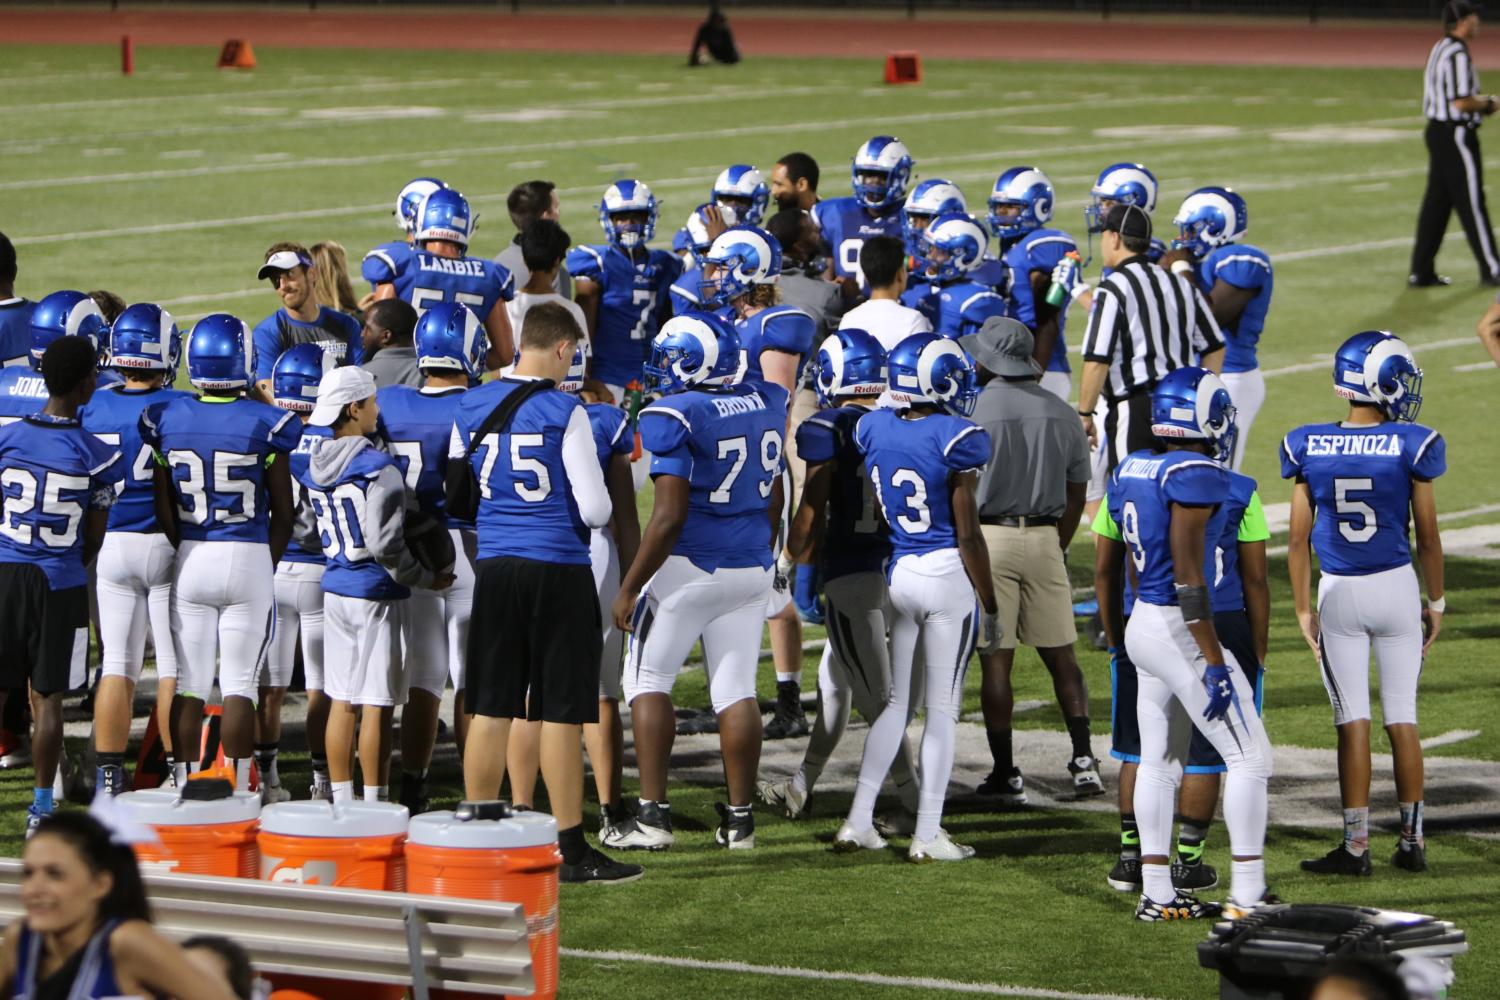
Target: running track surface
column 661, row 32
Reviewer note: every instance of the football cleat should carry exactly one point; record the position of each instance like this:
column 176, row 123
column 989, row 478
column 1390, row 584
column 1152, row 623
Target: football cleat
column 1086, row 780
column 600, row 869
column 1194, row 877
column 609, row 818
column 414, row 795
column 1183, row 907
column 848, row 840
column 320, row 789
column 897, row 824
column 34, row 818
column 785, row 795
column 1339, row 862
column 271, row 794
column 698, row 723
column 650, row 829
column 15, row 751
column 736, row 828
column 1125, row 876
column 1234, row 911
column 789, row 720
column 1010, row 790
column 1410, row 857
column 939, row 848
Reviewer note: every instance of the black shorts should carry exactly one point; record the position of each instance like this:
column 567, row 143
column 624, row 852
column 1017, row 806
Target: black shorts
column 535, row 628
column 1127, row 427
column 44, row 633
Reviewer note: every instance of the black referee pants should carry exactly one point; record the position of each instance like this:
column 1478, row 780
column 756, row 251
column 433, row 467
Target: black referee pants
column 1127, row 426
column 1455, row 182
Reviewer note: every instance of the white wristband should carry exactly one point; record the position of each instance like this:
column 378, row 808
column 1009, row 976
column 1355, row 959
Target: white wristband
column 1079, row 290
column 1438, row 606
column 1183, row 268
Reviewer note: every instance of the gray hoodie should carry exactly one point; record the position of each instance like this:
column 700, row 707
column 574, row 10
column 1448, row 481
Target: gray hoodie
column 386, row 505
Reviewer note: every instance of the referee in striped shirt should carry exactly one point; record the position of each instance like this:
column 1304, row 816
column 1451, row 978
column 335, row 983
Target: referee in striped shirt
column 1144, row 323
column 1455, row 172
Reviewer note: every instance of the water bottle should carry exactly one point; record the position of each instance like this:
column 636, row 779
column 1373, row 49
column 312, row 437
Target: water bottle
column 635, row 395
column 1058, row 293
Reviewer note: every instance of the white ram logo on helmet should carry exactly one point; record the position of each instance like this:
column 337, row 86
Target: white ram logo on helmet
column 1203, row 199
column 1025, row 181
column 1393, row 347
column 698, row 229
column 740, row 244
column 930, row 198
column 889, row 157
column 928, row 360
column 615, row 200
column 708, row 343
column 1125, row 175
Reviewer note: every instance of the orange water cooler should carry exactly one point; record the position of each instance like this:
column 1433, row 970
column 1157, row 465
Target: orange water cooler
column 199, row 837
column 353, row 845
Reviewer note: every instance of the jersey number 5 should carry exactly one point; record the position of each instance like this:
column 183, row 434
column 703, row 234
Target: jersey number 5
column 1348, row 508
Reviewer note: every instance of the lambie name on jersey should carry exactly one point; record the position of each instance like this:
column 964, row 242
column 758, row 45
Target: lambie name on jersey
column 633, row 303
column 779, row 328
column 1246, row 267
column 114, row 417
column 1039, row 250
column 1360, row 480
column 417, row 426
column 312, row 434
column 1142, row 490
column 911, row 463
column 846, row 224
column 342, row 510
column 218, row 449
column 52, row 472
column 425, row 279
column 728, row 445
column 856, row 538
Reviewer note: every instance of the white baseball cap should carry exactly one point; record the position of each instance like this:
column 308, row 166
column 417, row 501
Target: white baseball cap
column 338, row 389
column 282, row 261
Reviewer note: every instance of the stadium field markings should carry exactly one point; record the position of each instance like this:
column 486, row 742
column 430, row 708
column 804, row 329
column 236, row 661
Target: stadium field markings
column 821, row 975
column 1322, row 363
column 1449, row 738
column 299, row 92
column 1477, row 366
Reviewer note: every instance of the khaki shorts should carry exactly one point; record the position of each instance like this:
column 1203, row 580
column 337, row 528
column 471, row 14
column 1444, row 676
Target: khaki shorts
column 1031, row 587
column 804, row 405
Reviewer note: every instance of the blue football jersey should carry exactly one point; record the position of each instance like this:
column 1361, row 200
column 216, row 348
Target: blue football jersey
column 51, row 472
column 1228, row 588
column 846, row 224
column 684, row 291
column 427, row 279
column 729, row 447
column 633, row 304
column 611, row 427
column 526, row 506
column 777, row 328
column 337, row 333
column 993, row 273
column 1360, row 480
column 856, row 538
column 417, row 424
column 15, row 331
column 385, row 262
column 343, row 528
column 114, row 417
column 1039, row 250
column 22, row 393
column 1244, row 267
column 311, row 435
column 957, row 309
column 911, row 463
column 218, row 450
column 1141, row 492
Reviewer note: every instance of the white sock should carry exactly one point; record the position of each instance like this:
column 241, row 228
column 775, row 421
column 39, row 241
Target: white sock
column 937, row 764
column 377, row 793
column 241, row 766
column 343, row 791
column 1247, row 884
column 179, row 773
column 1156, row 883
column 792, row 675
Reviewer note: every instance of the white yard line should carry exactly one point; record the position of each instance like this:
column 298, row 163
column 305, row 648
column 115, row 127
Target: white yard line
column 1477, row 366
column 1278, row 516
column 1323, row 363
column 1449, row 738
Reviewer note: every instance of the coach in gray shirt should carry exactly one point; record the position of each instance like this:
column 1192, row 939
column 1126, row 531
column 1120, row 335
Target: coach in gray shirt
column 1031, row 496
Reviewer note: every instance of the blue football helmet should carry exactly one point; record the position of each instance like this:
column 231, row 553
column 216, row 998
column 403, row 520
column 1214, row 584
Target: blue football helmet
column 295, row 377
column 849, row 363
column 444, row 215
column 578, row 368
column 1209, row 217
column 1193, row 404
column 410, row 199
column 65, row 314
column 1377, row 367
column 929, row 368
column 693, row 350
column 145, row 337
column 887, row 157
column 926, row 202
column 1026, row 189
column 220, row 353
column 695, row 234
column 628, row 197
column 742, row 256
column 743, row 189
column 951, row 247
column 1120, row 183
column 449, row 336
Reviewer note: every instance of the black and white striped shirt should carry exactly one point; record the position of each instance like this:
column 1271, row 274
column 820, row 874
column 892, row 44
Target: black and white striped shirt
column 1450, row 75
column 1144, row 323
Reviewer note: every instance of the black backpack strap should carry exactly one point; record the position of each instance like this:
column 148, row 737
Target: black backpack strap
column 461, row 486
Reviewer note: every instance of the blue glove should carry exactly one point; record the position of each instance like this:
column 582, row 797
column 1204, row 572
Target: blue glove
column 1220, row 691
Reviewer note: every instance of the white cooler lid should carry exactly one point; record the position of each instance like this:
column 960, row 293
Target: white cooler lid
column 441, row 829
column 324, row 819
column 162, row 807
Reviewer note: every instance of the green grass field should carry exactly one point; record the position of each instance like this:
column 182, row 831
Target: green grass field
column 169, row 186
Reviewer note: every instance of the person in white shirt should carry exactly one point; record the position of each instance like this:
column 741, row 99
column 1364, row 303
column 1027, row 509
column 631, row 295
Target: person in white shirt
column 544, row 244
column 883, row 261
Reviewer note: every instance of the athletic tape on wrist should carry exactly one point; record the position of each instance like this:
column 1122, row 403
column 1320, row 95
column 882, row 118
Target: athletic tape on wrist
column 1193, row 599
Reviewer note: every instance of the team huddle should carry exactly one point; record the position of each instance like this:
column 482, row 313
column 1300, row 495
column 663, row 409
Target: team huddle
column 799, row 388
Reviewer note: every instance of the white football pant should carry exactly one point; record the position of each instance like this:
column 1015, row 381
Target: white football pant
column 605, row 559
column 1382, row 611
column 134, row 585
column 437, row 624
column 299, row 615
column 1248, row 391
column 224, row 603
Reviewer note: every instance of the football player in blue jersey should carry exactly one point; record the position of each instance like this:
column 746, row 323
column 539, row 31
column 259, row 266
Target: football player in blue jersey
column 705, row 565
column 134, row 572
column 390, row 258
column 298, row 587
column 300, row 320
column 223, row 498
column 928, row 200
column 837, row 526
column 622, row 284
column 1021, row 207
column 60, row 482
column 15, row 310
column 949, row 252
column 1236, row 278
column 1359, row 484
column 703, row 227
column 1171, row 508
column 744, row 191
column 1123, row 184
column 923, row 461
column 881, row 170
column 416, row 425
column 439, row 269
column 23, row 390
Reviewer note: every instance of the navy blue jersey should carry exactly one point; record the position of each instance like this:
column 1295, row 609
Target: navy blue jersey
column 911, row 463
column 855, row 537
column 633, row 304
column 417, row 425
column 778, row 328
column 384, row 262
column 954, row 310
column 1360, row 480
column 51, row 472
column 218, row 449
column 1141, row 492
column 1228, row 588
column 311, row 435
column 337, row 333
column 728, row 445
column 1244, row 267
column 344, row 528
column 1039, row 250
column 425, row 279
column 114, row 417
column 22, row 393
column 846, row 224
column 611, row 427
column 526, row 505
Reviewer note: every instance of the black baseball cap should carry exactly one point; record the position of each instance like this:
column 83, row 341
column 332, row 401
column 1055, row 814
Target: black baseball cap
column 1456, row 10
column 1130, row 221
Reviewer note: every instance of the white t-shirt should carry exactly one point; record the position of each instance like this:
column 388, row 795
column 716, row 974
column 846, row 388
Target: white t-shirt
column 517, row 308
column 887, row 320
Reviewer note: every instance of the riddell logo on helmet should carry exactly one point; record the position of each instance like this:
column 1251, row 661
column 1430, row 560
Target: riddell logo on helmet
column 1169, row 431
column 120, row 362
